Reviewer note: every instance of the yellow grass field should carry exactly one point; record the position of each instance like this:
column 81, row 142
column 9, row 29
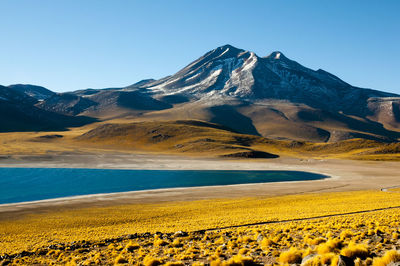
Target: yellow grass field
column 127, row 233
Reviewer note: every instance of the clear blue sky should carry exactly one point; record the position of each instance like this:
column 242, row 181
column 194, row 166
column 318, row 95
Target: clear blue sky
column 72, row 44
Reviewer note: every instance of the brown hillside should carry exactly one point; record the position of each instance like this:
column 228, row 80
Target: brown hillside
column 200, row 138
column 182, row 136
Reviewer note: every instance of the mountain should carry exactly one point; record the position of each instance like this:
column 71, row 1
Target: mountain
column 19, row 113
column 11, row 96
column 385, row 111
column 271, row 96
column 37, row 92
column 66, row 103
column 231, row 72
column 105, row 103
column 275, row 97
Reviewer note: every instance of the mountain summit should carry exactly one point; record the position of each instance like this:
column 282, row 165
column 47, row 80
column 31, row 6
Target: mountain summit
column 232, row 72
column 272, row 96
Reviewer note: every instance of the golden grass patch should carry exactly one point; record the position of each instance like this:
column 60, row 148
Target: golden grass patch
column 94, row 224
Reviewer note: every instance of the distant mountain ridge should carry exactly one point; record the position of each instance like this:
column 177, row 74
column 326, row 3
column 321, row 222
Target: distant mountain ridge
column 18, row 112
column 272, row 96
column 37, row 92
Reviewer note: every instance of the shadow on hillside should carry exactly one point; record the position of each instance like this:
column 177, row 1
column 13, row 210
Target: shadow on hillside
column 227, row 116
column 23, row 119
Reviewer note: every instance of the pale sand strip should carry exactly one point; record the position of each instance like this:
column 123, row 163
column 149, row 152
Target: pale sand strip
column 345, row 175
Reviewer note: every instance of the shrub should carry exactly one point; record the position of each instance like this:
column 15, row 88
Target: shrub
column 325, row 259
column 245, row 239
column 174, row 263
column 243, row 251
column 346, row 234
column 132, row 246
column 390, row 256
column 293, row 255
column 266, row 242
column 160, row 242
column 150, row 261
column 120, row 259
column 177, row 243
column 220, row 241
column 329, row 246
column 315, row 241
column 216, row 262
column 355, row 251
column 239, row 260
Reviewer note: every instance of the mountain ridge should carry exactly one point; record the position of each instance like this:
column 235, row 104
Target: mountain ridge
column 230, row 74
column 18, row 112
column 272, row 96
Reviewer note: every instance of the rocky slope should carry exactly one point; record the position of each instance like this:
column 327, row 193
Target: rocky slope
column 272, row 96
column 231, row 72
column 37, row 92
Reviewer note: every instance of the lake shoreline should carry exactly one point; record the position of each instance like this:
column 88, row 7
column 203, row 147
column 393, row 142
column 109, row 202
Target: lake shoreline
column 345, row 175
column 24, row 185
column 128, row 193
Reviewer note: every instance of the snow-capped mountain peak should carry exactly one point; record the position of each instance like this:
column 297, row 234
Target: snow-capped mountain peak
column 227, row 71
column 276, row 55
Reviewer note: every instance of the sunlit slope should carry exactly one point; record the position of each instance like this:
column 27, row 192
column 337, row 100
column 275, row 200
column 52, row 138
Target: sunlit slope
column 184, row 137
column 194, row 137
column 189, row 136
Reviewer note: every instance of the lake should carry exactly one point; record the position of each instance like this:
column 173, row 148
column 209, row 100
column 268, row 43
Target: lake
column 30, row 184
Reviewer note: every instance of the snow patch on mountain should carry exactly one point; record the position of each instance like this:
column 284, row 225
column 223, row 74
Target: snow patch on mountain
column 205, row 83
column 233, row 72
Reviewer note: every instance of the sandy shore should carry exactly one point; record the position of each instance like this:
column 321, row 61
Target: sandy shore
column 345, row 175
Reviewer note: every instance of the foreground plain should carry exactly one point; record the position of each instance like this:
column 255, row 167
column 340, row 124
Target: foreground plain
column 361, row 225
column 283, row 223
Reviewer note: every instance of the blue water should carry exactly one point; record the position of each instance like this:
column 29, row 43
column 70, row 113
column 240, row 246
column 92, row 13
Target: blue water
column 28, row 184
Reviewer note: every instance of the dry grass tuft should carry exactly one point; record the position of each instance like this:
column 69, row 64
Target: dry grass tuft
column 354, row 250
column 293, row 255
column 390, row 256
